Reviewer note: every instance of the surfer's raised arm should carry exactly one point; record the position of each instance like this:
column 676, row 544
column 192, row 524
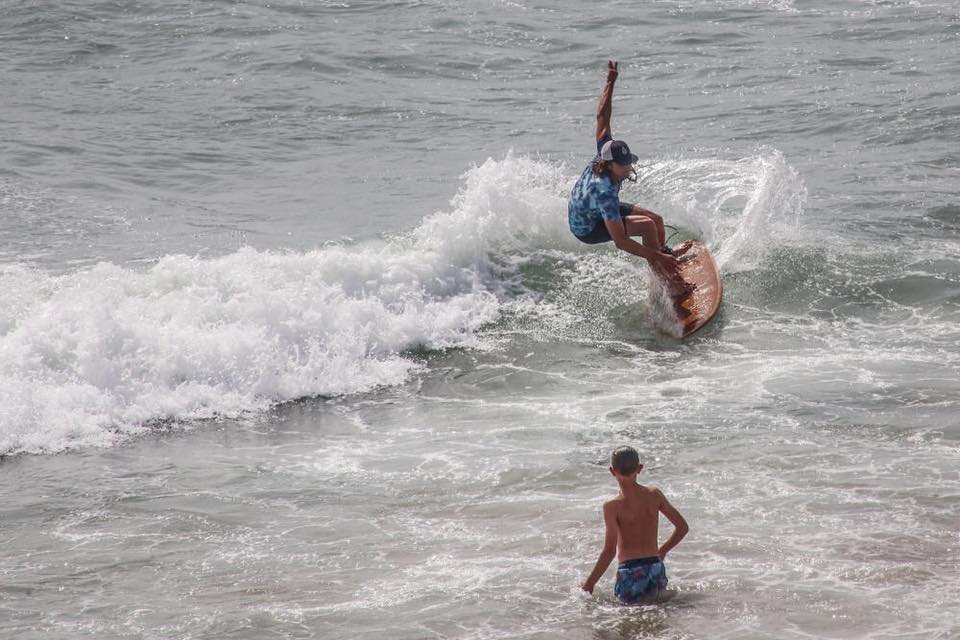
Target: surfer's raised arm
column 596, row 214
column 606, row 101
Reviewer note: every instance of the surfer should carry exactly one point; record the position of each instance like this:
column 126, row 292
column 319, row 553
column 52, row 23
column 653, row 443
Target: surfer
column 596, row 215
column 631, row 521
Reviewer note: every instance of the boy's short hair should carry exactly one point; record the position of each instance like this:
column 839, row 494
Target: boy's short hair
column 625, row 460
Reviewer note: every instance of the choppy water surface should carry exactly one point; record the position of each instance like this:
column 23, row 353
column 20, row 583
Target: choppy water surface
column 294, row 341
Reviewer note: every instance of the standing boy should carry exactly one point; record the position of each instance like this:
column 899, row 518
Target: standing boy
column 631, row 521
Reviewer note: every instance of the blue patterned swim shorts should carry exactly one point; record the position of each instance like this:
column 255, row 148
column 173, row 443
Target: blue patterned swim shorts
column 639, row 579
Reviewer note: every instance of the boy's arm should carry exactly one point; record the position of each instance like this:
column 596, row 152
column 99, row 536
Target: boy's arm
column 606, row 101
column 609, row 546
column 680, row 525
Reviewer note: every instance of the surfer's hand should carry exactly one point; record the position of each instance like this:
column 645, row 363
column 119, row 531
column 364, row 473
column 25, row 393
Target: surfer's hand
column 612, row 72
column 665, row 261
column 587, row 587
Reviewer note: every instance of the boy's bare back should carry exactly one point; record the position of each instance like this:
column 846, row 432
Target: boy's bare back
column 636, row 512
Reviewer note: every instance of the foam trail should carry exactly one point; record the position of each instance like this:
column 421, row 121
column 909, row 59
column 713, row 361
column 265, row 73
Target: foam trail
column 660, row 304
column 731, row 205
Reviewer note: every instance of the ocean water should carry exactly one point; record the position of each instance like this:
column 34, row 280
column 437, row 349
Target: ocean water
column 295, row 343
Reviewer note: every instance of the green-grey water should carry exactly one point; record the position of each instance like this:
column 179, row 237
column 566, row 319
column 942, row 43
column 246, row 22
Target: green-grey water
column 294, row 340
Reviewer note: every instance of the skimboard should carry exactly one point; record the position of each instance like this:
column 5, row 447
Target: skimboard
column 700, row 270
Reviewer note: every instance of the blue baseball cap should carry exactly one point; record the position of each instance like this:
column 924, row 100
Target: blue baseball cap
column 617, row 151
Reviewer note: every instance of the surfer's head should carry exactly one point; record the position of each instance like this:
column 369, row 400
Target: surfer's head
column 625, row 461
column 615, row 161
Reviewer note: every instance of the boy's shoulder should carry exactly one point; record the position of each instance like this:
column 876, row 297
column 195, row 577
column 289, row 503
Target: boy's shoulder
column 650, row 492
column 656, row 493
column 641, row 489
column 613, row 504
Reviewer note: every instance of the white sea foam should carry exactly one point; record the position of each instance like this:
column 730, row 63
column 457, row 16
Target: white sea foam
column 733, row 205
column 91, row 356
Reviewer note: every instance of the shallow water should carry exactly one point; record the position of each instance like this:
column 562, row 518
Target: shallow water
column 294, row 341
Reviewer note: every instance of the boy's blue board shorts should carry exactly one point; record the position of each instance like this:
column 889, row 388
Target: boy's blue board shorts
column 640, row 579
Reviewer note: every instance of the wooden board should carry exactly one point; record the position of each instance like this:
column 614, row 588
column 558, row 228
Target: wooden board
column 703, row 303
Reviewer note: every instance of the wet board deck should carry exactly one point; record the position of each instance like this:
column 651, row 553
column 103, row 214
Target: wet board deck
column 703, row 303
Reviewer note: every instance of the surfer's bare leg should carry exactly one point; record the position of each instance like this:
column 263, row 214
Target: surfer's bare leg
column 657, row 221
column 646, row 228
column 662, row 234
